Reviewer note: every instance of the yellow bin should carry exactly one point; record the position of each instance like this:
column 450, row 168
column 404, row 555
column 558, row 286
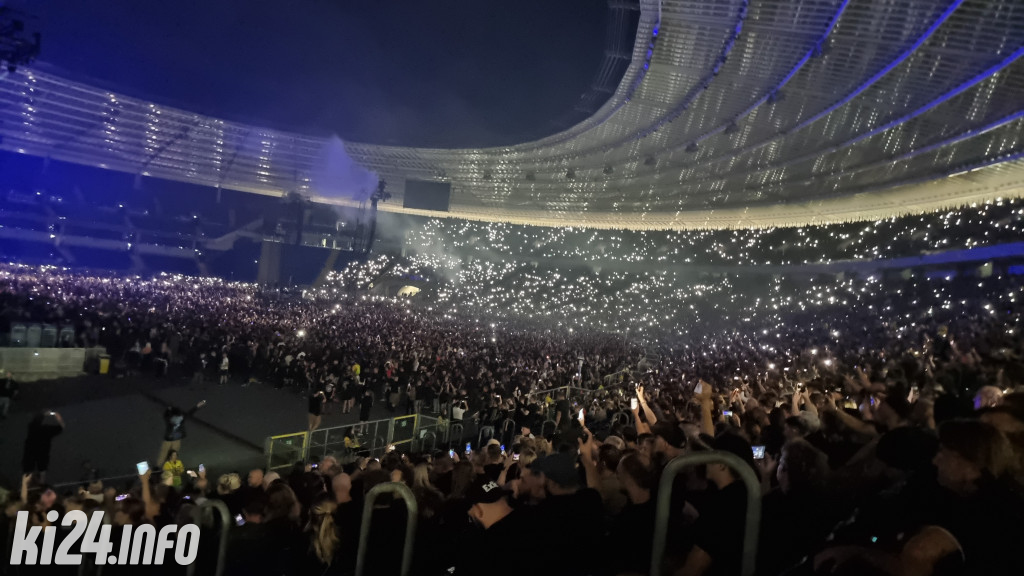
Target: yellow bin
column 104, row 364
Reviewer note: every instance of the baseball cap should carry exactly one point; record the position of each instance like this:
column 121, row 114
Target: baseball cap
column 494, row 441
column 483, row 490
column 673, row 435
column 735, row 444
column 560, row 468
column 616, row 441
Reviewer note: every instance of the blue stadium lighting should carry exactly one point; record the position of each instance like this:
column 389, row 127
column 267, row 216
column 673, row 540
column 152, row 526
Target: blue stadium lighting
column 977, row 79
column 888, row 68
column 963, row 136
column 785, row 80
column 972, row 82
column 846, row 99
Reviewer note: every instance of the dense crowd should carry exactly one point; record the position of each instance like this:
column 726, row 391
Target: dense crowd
column 879, row 415
column 978, row 224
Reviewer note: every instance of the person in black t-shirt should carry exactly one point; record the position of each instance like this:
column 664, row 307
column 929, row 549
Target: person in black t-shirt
column 365, row 404
column 563, row 416
column 632, row 532
column 41, row 431
column 316, row 407
column 570, row 515
column 487, row 552
column 718, row 533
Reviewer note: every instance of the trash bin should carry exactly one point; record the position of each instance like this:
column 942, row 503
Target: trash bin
column 104, row 364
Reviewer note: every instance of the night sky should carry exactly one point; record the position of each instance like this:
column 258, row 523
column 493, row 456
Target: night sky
column 447, row 73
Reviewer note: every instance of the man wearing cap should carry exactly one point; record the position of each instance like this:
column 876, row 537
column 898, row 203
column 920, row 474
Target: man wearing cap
column 669, row 441
column 501, row 524
column 718, row 533
column 570, row 514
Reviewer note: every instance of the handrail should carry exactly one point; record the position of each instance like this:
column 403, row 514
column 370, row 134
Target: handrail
column 451, row 434
column 412, row 511
column 620, row 415
column 423, row 440
column 508, row 431
column 544, row 427
column 480, row 436
column 753, row 522
column 225, row 521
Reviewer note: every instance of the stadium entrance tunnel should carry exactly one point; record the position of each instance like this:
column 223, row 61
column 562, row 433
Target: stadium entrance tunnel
column 399, row 287
column 408, row 291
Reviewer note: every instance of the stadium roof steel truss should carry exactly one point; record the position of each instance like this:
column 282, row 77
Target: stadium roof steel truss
column 731, row 113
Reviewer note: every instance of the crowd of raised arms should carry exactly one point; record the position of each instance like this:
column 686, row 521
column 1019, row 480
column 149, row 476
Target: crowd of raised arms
column 887, row 416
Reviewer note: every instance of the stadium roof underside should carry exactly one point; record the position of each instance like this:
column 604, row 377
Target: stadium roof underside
column 731, row 113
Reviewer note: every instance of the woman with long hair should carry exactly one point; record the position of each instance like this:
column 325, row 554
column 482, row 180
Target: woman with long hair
column 429, row 498
column 324, row 540
column 174, row 465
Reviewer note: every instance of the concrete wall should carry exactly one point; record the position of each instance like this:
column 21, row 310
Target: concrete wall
column 30, row 364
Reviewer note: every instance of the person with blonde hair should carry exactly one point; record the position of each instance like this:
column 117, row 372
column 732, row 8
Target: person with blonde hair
column 324, row 540
column 428, row 497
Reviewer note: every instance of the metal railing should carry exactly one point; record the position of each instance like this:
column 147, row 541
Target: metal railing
column 200, row 515
column 621, row 418
column 411, row 510
column 285, row 450
column 544, row 428
column 455, row 434
column 508, row 431
column 374, row 437
column 484, row 435
column 753, row 520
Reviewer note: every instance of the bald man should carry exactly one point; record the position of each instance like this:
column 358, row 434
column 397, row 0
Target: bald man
column 342, row 487
column 987, row 397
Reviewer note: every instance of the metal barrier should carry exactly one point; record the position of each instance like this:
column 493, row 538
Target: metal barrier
column 203, row 512
column 508, row 431
column 620, row 418
column 424, row 438
column 374, row 437
column 544, row 427
column 753, row 522
column 412, row 511
column 285, row 450
column 403, row 430
column 455, row 433
column 485, row 432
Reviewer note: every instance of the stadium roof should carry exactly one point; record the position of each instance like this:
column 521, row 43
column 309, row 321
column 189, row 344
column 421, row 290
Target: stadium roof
column 731, row 113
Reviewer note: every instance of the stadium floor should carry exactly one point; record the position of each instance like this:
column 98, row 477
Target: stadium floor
column 113, row 423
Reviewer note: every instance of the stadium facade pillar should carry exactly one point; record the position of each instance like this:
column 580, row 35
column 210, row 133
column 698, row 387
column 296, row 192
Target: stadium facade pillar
column 270, row 263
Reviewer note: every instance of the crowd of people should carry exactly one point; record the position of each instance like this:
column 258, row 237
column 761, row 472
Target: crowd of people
column 883, row 418
column 977, row 224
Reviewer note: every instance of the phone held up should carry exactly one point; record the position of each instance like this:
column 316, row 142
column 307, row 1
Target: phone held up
column 142, row 467
column 758, row 452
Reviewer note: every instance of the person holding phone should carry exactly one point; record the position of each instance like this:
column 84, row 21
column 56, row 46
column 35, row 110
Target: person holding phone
column 718, row 536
